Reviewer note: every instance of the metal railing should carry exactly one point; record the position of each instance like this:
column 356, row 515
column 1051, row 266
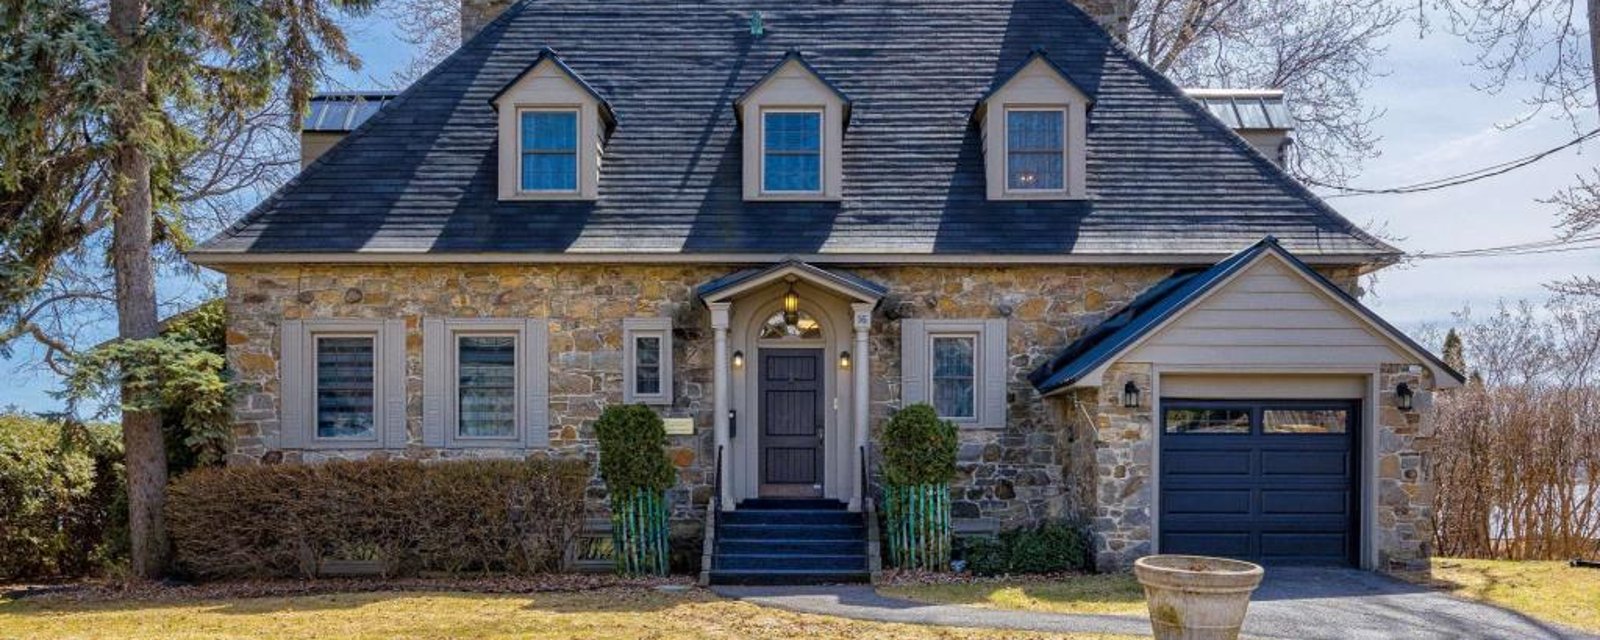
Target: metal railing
column 713, row 507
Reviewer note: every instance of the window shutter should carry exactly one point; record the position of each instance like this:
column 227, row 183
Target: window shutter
column 537, row 361
column 394, row 383
column 913, row 362
column 995, row 365
column 435, row 348
column 293, row 384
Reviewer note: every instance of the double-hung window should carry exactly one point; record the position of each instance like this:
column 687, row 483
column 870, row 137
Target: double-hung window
column 485, row 383
column 549, row 150
column 346, row 398
column 647, row 371
column 957, row 366
column 1036, row 149
column 954, row 374
column 791, row 151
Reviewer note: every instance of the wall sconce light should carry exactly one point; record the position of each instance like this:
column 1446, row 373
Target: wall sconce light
column 1130, row 395
column 844, row 359
column 738, row 359
column 1403, row 396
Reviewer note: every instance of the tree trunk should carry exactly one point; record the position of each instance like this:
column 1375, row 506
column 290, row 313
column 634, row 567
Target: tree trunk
column 145, row 455
column 1594, row 47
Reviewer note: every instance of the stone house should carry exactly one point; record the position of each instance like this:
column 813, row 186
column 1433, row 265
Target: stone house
column 776, row 223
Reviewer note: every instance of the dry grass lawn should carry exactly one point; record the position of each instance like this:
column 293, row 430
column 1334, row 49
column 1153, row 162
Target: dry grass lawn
column 1549, row 591
column 598, row 614
column 1112, row 593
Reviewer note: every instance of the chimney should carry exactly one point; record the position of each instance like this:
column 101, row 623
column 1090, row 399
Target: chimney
column 331, row 116
column 477, row 14
column 1113, row 15
column 1260, row 116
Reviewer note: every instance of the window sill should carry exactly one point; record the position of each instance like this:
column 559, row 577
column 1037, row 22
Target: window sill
column 1048, row 196
column 793, row 197
column 545, row 197
column 327, row 444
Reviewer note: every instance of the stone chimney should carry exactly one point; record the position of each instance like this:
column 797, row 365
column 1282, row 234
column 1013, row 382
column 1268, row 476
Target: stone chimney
column 477, row 14
column 1113, row 15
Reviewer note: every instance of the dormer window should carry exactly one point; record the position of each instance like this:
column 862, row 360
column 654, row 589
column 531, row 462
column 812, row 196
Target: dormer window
column 549, row 150
column 552, row 125
column 1034, row 124
column 791, row 155
column 793, row 122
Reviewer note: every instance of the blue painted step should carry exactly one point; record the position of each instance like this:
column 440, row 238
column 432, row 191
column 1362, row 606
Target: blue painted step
column 777, row 542
column 856, row 562
column 792, row 547
column 808, row 516
column 790, row 504
column 791, row 532
column 787, row 577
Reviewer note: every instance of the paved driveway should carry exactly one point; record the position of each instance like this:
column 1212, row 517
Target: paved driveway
column 1293, row 603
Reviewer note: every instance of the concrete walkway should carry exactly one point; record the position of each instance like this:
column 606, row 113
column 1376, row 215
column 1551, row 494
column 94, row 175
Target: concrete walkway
column 1293, row 603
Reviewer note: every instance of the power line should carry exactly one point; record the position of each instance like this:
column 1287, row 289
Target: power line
column 1457, row 179
column 1583, row 242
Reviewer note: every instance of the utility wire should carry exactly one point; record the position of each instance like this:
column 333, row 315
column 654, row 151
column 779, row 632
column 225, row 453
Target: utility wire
column 1583, row 242
column 1457, row 179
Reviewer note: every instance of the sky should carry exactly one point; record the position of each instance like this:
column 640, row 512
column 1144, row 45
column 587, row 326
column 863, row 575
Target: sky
column 1434, row 124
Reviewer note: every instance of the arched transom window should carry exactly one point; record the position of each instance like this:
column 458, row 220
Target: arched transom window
column 804, row 328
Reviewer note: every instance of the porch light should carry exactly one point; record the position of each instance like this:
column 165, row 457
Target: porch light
column 1130, row 395
column 738, row 359
column 844, row 359
column 1403, row 395
column 791, row 305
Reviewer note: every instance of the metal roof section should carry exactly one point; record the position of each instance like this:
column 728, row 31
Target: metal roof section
column 1246, row 109
column 342, row 112
column 1150, row 310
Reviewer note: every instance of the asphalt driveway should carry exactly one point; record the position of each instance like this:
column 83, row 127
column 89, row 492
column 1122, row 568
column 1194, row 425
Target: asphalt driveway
column 1292, row 603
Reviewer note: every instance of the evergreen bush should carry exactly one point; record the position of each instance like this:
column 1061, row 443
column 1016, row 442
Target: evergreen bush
column 637, row 473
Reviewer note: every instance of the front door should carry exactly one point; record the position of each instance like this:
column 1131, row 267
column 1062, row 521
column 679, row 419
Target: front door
column 791, row 423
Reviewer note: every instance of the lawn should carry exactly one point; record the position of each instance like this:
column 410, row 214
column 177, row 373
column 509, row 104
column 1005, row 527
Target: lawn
column 601, row 613
column 1112, row 593
column 1549, row 591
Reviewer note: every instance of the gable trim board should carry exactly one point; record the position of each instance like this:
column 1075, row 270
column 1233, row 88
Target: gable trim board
column 1143, row 326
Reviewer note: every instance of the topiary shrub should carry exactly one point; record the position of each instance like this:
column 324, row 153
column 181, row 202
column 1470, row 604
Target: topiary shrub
column 516, row 516
column 637, row 473
column 919, row 459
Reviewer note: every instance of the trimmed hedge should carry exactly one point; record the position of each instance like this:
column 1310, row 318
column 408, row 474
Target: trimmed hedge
column 62, row 501
column 918, row 448
column 451, row 516
column 1050, row 547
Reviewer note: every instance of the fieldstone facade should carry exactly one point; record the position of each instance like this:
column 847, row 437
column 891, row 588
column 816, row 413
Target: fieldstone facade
column 1405, row 491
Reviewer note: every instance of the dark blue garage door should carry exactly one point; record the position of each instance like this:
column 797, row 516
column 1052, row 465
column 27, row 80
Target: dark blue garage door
column 1272, row 482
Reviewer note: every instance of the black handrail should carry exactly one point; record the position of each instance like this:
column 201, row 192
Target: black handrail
column 716, row 482
column 866, row 477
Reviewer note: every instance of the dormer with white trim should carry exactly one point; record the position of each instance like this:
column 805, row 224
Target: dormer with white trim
column 794, row 122
column 1034, row 123
column 552, row 129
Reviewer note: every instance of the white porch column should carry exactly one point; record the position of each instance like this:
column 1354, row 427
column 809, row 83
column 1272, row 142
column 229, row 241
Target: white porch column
column 861, row 315
column 720, row 381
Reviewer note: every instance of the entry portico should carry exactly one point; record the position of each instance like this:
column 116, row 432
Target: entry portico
column 791, row 380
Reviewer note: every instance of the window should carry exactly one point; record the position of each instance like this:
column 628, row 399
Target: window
column 791, row 151
column 549, row 150
column 1036, row 149
column 1241, row 417
column 346, row 389
column 647, row 374
column 1305, row 420
column 957, row 366
column 342, row 384
column 804, row 328
column 1203, row 420
column 486, row 386
column 955, row 381
column 485, row 383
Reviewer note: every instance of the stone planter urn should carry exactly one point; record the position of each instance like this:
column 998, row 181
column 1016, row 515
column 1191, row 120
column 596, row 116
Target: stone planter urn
column 1196, row 597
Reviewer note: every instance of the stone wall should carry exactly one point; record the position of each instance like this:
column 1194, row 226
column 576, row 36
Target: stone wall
column 1405, row 491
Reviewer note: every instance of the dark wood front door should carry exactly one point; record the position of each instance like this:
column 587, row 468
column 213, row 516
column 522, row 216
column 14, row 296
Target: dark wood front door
column 791, row 422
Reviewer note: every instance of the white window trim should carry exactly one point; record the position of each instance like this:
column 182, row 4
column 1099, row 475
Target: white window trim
column 440, row 382
column 991, row 373
column 298, row 383
column 822, row 151
column 453, row 381
column 1066, row 150
column 977, row 373
column 577, row 150
column 632, row 329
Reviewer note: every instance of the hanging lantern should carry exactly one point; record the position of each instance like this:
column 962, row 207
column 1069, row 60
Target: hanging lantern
column 791, row 306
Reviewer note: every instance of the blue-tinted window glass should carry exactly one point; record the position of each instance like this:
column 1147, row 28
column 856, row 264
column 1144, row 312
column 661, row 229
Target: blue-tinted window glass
column 793, row 151
column 345, row 387
column 1035, row 146
column 549, row 151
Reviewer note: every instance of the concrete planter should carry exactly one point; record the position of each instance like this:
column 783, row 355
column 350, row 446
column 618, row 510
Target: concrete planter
column 1196, row 597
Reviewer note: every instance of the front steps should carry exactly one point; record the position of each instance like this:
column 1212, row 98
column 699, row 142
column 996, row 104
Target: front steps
column 784, row 542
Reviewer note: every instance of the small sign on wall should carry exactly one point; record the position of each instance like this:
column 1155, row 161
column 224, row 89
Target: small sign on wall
column 679, row 426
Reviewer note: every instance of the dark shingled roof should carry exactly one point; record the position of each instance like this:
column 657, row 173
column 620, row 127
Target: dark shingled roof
column 1163, row 175
column 1170, row 297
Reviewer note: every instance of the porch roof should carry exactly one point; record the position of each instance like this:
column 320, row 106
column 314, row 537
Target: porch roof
column 844, row 283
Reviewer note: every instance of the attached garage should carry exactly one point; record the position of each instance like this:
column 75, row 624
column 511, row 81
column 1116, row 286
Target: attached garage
column 1271, row 481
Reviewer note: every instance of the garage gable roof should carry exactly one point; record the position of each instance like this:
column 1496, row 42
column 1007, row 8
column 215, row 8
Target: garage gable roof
column 1157, row 307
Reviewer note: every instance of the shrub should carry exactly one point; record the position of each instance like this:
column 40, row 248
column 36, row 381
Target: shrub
column 1048, row 548
column 918, row 447
column 60, row 497
column 451, row 516
column 637, row 473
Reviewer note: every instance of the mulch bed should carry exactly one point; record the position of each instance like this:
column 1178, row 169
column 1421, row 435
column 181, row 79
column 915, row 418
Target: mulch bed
column 108, row 591
column 913, row 578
